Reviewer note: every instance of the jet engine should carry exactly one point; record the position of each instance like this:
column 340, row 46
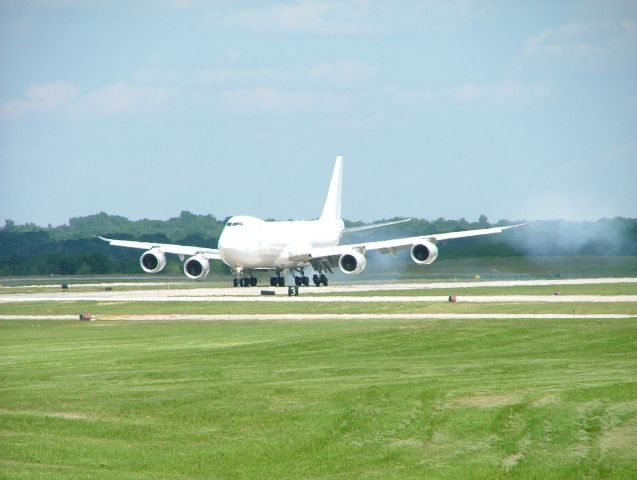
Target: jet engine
column 153, row 261
column 197, row 267
column 352, row 263
column 424, row 253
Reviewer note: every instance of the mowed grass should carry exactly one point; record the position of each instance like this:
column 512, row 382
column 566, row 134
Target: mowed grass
column 565, row 289
column 298, row 306
column 324, row 399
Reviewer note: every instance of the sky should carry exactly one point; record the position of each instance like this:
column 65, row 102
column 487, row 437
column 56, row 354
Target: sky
column 520, row 110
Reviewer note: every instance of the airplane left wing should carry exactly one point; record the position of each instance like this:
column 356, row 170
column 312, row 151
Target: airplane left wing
column 387, row 246
column 350, row 258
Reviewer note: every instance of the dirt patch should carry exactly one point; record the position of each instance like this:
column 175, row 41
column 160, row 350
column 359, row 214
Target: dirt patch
column 550, row 399
column 487, row 401
column 621, row 440
column 65, row 415
column 511, row 461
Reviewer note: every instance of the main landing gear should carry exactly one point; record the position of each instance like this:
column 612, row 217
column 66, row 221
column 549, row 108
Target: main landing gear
column 279, row 281
column 319, row 279
column 301, row 280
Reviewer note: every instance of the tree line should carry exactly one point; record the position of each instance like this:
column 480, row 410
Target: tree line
column 75, row 249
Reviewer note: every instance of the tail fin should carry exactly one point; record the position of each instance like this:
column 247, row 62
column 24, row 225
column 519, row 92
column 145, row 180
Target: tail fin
column 332, row 207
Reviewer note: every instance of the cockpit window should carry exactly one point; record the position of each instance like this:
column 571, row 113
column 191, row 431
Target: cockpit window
column 234, row 224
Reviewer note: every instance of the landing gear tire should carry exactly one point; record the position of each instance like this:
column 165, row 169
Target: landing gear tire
column 235, row 282
column 281, row 281
column 253, row 281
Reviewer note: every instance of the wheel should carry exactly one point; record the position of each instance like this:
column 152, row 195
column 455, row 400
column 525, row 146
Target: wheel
column 245, row 282
column 274, row 281
column 235, row 282
column 253, row 281
column 298, row 281
column 281, row 281
column 324, row 280
column 316, row 279
column 305, row 281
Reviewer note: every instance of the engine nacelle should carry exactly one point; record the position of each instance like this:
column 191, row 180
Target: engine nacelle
column 197, row 267
column 352, row 263
column 153, row 261
column 424, row 253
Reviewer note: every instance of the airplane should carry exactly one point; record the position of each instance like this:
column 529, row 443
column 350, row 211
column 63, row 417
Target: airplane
column 248, row 244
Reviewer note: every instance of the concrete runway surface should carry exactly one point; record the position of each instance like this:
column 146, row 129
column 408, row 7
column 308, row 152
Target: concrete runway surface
column 322, row 294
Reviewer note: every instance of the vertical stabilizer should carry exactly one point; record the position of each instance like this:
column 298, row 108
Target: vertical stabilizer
column 332, row 207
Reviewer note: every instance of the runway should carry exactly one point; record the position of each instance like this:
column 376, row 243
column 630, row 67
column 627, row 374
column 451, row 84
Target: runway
column 325, row 294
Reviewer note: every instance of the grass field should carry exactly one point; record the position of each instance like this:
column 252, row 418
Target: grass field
column 301, row 307
column 321, row 399
column 400, row 399
column 565, row 289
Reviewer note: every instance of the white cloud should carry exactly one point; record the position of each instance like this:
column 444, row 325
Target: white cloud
column 278, row 101
column 48, row 97
column 64, row 98
column 505, row 91
column 121, row 98
column 267, row 100
column 344, row 72
column 305, row 16
column 325, row 17
column 592, row 43
column 235, row 75
column 409, row 95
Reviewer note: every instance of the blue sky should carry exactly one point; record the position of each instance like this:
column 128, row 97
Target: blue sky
column 518, row 110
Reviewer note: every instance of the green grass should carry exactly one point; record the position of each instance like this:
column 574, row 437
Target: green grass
column 216, row 307
column 497, row 268
column 583, row 289
column 327, row 399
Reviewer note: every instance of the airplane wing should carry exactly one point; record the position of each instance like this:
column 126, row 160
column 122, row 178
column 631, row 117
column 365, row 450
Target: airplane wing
column 182, row 250
column 391, row 246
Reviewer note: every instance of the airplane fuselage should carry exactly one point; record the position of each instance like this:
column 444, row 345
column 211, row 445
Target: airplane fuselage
column 251, row 243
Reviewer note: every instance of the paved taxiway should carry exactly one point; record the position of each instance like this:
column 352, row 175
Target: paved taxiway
column 322, row 294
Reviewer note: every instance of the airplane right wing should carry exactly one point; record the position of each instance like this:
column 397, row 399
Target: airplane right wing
column 153, row 260
column 183, row 250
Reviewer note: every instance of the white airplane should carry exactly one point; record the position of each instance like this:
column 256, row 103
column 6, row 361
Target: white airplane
column 248, row 244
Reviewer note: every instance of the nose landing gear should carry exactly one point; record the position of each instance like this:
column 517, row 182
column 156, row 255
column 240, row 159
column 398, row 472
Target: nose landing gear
column 241, row 281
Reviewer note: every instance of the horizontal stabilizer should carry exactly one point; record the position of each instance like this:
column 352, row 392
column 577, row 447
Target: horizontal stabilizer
column 375, row 225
